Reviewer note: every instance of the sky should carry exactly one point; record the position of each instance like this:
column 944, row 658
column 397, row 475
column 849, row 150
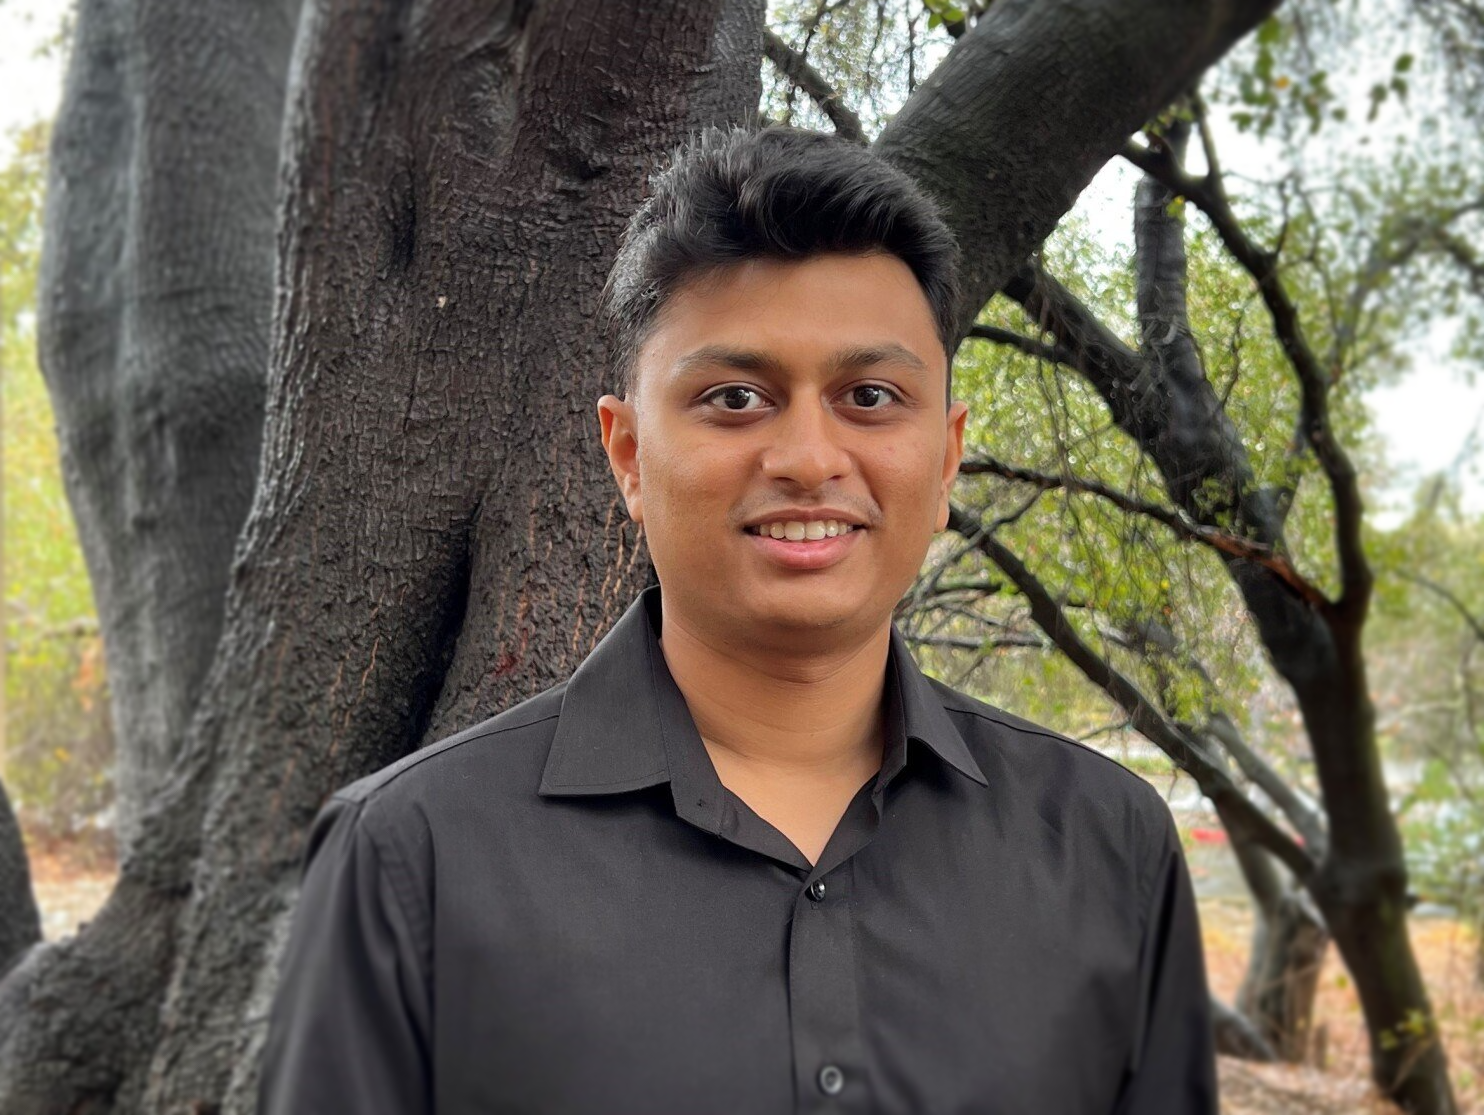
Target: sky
column 1427, row 420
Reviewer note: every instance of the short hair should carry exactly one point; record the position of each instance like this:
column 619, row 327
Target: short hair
column 730, row 194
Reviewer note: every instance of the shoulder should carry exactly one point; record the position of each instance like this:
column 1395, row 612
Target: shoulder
column 989, row 726
column 1073, row 787
column 494, row 752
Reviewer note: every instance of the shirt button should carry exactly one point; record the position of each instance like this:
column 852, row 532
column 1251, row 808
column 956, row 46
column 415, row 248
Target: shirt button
column 816, row 892
column 831, row 1080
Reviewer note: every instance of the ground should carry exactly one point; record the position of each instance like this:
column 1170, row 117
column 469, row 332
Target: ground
column 73, row 879
column 1446, row 951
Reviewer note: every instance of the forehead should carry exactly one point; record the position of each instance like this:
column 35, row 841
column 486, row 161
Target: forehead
column 779, row 315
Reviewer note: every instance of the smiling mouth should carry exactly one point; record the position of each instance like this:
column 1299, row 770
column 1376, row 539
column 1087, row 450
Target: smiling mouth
column 812, row 530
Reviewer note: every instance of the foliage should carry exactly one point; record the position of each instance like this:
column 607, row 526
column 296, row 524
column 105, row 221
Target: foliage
column 58, row 742
column 1428, row 629
column 877, row 52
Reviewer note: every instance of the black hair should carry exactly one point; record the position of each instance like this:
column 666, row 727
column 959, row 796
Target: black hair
column 729, row 194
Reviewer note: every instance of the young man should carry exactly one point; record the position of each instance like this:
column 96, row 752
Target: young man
column 749, row 859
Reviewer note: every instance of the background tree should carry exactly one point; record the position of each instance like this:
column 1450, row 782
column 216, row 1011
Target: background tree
column 432, row 535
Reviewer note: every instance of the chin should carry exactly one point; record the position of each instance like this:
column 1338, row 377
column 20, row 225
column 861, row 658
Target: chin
column 803, row 608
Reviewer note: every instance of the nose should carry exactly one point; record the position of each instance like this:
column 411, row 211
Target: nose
column 806, row 448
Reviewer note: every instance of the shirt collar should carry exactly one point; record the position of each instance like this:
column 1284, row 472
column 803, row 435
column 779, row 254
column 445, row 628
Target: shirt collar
column 624, row 723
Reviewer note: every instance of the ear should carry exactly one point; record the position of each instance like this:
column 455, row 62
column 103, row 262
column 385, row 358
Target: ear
column 953, row 453
column 620, row 430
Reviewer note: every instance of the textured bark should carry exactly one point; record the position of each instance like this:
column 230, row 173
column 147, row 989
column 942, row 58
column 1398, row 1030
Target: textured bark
column 20, row 921
column 1031, row 103
column 154, row 306
column 1360, row 884
column 155, row 298
column 455, row 188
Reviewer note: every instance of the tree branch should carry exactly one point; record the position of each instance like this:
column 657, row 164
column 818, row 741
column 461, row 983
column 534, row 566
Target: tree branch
column 1029, row 105
column 799, row 70
column 1261, row 264
column 964, row 642
column 1475, row 624
column 20, row 921
column 1266, row 779
column 1039, row 350
column 1177, row 520
column 1213, row 781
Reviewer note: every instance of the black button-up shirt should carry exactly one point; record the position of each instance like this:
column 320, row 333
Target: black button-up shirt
column 562, row 909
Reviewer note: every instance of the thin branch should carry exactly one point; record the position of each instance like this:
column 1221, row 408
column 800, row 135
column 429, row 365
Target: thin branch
column 984, row 587
column 1158, row 645
column 1474, row 622
column 965, row 642
column 1093, row 349
column 1051, row 354
column 1174, row 518
column 799, row 70
column 1270, row 782
column 1416, row 235
column 1212, row 779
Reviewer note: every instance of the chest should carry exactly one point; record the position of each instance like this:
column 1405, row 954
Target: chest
column 663, row 968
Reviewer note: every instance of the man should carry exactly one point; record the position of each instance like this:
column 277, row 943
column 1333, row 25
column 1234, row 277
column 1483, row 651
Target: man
column 749, row 859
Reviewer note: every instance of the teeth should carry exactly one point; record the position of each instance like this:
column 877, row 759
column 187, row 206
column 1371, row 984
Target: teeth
column 812, row 530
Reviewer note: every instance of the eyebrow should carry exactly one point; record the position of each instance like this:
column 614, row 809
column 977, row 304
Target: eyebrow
column 752, row 360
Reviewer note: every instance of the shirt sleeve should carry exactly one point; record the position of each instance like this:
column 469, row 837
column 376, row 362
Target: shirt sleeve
column 1172, row 1067
column 349, row 1026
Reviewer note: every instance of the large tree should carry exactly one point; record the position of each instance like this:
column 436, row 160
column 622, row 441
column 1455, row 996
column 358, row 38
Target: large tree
column 338, row 486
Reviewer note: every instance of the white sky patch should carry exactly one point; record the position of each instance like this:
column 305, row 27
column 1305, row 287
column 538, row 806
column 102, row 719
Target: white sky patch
column 30, row 84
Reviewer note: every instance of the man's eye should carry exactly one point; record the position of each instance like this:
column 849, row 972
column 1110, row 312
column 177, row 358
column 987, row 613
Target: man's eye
column 735, row 398
column 872, row 396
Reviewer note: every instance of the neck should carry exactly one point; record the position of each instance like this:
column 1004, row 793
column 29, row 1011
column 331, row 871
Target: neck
column 818, row 717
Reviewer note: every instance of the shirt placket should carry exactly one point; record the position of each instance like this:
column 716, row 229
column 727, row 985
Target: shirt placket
column 830, row 1068
column 829, row 1060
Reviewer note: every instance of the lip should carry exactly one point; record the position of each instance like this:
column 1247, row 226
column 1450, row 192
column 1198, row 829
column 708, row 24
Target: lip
column 820, row 553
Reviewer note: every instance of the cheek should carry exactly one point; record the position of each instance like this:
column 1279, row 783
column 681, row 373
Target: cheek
column 692, row 483
column 911, row 478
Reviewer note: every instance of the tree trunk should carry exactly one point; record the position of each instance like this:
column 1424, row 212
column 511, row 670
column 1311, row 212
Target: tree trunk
column 415, row 560
column 1361, row 888
column 20, row 921
column 455, row 188
column 1236, row 1036
column 1288, row 945
column 155, row 300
